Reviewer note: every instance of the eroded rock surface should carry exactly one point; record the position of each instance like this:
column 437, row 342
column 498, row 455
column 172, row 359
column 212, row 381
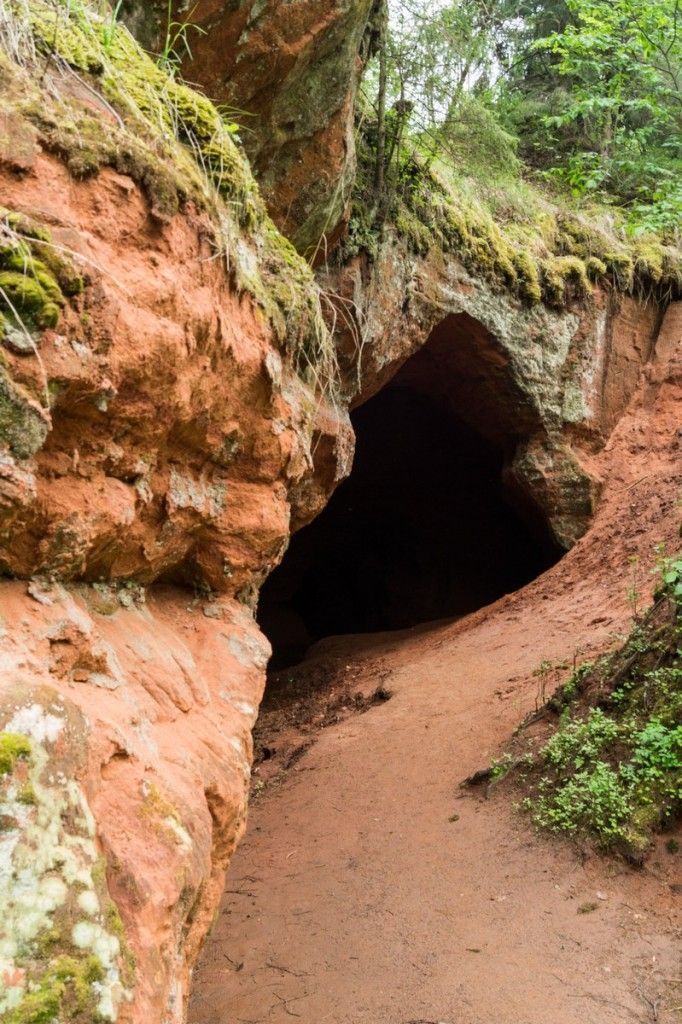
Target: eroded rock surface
column 550, row 384
column 174, row 431
column 290, row 71
column 159, row 442
column 157, row 430
column 122, row 812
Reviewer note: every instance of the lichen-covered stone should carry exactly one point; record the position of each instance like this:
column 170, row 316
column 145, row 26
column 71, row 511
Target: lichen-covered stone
column 24, row 425
column 58, row 959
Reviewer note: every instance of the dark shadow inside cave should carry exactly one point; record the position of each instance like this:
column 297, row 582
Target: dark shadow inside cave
column 427, row 526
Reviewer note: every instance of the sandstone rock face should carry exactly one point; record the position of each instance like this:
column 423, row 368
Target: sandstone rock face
column 175, row 431
column 138, row 714
column 549, row 385
column 292, row 70
column 179, row 447
column 157, row 448
column 155, row 440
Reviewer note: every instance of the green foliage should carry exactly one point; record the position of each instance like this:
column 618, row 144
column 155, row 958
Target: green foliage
column 458, row 90
column 66, row 991
column 586, row 92
column 620, row 65
column 582, row 741
column 176, row 45
column 472, row 136
column 671, row 576
column 12, row 749
column 613, row 772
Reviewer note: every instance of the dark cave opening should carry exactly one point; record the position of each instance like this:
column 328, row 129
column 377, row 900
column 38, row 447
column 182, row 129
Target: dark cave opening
column 426, row 527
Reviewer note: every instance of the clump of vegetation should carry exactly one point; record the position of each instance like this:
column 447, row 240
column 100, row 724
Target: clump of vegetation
column 511, row 233
column 612, row 769
column 612, row 113
column 66, row 991
column 446, row 110
column 13, row 748
column 35, row 278
column 145, row 95
column 142, row 120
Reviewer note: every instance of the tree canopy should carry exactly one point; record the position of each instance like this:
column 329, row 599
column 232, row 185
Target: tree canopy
column 583, row 95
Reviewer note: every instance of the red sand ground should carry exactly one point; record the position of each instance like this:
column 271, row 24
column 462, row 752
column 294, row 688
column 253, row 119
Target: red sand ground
column 355, row 899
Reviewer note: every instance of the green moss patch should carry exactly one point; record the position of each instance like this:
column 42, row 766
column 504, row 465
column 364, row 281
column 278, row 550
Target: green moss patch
column 35, row 277
column 12, row 749
column 66, row 991
column 162, row 108
column 509, row 233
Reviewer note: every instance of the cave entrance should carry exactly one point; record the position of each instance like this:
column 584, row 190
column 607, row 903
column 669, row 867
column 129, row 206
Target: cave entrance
column 428, row 525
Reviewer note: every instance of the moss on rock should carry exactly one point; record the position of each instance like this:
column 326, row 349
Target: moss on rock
column 561, row 274
column 23, row 423
column 142, row 120
column 65, row 992
column 12, row 749
column 63, row 957
column 37, row 280
column 27, row 295
column 33, row 275
column 518, row 241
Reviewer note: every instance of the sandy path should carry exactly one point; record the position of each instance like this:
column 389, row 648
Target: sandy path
column 355, row 900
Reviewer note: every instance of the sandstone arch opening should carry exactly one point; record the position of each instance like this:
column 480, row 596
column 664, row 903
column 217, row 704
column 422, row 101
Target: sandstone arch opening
column 429, row 524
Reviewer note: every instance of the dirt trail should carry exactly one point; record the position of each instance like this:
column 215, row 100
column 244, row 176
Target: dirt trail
column 355, row 899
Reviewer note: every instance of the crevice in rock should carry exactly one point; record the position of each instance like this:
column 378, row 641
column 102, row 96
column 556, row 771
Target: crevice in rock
column 429, row 524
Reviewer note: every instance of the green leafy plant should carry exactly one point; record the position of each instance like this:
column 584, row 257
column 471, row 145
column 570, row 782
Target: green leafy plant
column 620, row 62
column 110, row 26
column 612, row 769
column 671, row 575
column 176, row 46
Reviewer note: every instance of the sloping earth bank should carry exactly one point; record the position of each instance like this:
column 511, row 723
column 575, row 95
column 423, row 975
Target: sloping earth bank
column 370, row 890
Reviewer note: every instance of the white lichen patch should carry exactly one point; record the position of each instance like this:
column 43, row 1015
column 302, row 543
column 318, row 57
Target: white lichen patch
column 239, row 704
column 51, row 904
column 208, row 497
column 181, row 834
column 88, row 901
column 37, row 723
column 238, row 745
column 91, row 936
column 250, row 650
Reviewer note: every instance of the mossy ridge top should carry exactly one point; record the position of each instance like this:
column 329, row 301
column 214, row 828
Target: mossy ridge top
column 543, row 253
column 149, row 99
column 175, row 144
